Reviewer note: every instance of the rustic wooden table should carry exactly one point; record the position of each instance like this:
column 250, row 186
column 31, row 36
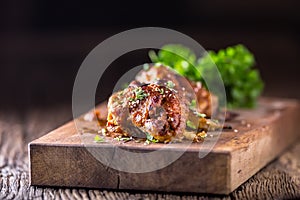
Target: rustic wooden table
column 279, row 180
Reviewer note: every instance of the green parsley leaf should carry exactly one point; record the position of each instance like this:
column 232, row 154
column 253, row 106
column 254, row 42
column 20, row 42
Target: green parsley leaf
column 150, row 138
column 147, row 142
column 98, row 139
column 193, row 105
column 170, row 84
column 200, row 114
column 125, row 139
column 191, row 124
column 139, row 93
column 242, row 82
column 146, row 67
column 178, row 57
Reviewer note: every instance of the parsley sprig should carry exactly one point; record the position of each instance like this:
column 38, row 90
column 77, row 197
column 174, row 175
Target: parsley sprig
column 242, row 82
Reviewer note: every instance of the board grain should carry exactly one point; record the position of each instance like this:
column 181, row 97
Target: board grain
column 61, row 158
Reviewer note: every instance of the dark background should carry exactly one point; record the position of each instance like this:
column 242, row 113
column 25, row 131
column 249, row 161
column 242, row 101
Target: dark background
column 43, row 42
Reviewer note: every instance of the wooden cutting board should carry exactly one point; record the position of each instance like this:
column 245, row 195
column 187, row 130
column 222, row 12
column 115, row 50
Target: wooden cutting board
column 63, row 158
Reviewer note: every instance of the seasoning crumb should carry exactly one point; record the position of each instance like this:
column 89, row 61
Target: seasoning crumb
column 243, row 122
column 235, row 130
column 103, row 131
column 89, row 117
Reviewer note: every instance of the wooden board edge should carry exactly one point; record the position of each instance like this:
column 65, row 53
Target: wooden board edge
column 287, row 124
column 214, row 187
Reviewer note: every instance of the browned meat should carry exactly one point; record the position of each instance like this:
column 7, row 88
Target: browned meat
column 118, row 113
column 160, row 103
column 160, row 74
column 207, row 103
column 152, row 108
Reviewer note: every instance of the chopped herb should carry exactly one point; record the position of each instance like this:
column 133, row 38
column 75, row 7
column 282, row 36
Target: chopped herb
column 199, row 114
column 191, row 124
column 214, row 120
column 139, row 93
column 161, row 91
column 98, row 139
column 150, row 139
column 125, row 139
column 146, row 67
column 170, row 84
column 193, row 105
column 146, row 142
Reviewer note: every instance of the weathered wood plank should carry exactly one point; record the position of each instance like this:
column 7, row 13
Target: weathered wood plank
column 280, row 179
column 236, row 156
